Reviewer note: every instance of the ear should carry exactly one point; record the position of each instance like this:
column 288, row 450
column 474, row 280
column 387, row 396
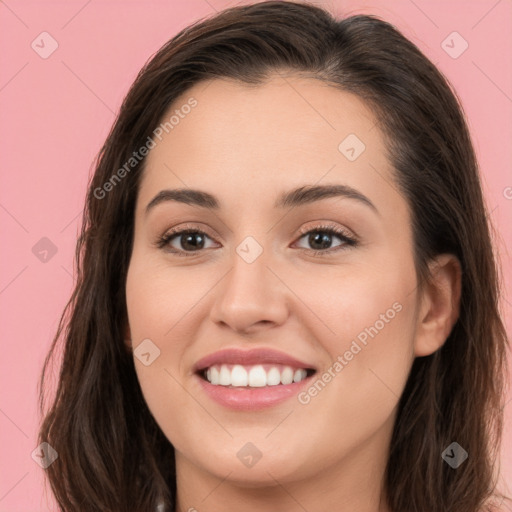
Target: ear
column 439, row 304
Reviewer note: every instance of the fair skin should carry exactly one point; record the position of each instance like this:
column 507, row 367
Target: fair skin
column 246, row 146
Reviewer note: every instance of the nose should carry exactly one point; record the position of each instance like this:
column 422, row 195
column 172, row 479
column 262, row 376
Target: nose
column 251, row 296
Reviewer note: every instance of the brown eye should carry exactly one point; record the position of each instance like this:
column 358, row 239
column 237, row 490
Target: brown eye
column 188, row 241
column 320, row 239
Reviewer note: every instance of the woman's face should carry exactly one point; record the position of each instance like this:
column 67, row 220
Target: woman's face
column 249, row 279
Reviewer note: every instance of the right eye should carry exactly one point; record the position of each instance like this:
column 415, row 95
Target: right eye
column 191, row 241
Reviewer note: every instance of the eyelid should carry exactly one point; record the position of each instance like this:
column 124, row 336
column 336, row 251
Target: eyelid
column 191, row 227
column 303, row 230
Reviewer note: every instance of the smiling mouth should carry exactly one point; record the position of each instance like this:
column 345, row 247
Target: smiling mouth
column 253, row 376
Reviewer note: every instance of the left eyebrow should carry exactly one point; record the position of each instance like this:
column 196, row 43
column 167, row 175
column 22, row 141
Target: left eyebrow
column 296, row 197
column 311, row 193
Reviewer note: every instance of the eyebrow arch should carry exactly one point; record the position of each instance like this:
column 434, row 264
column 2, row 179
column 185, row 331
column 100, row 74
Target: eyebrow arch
column 296, row 197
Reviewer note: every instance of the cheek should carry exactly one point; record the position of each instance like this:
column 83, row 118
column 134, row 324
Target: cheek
column 367, row 328
column 359, row 305
column 160, row 306
column 159, row 298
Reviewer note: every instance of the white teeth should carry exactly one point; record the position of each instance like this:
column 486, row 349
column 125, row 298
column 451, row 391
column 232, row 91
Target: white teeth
column 225, row 376
column 213, row 375
column 299, row 375
column 257, row 377
column 238, row 376
column 253, row 376
column 287, row 376
column 273, row 376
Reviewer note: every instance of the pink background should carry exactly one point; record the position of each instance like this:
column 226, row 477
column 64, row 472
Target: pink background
column 56, row 112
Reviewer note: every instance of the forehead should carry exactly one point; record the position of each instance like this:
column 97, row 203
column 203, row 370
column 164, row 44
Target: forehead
column 260, row 139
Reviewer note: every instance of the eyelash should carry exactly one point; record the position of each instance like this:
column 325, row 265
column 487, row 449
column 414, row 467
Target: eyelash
column 349, row 241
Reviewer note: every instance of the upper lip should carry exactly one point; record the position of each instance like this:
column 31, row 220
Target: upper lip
column 249, row 357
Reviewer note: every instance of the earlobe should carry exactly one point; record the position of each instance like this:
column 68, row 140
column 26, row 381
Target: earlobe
column 439, row 305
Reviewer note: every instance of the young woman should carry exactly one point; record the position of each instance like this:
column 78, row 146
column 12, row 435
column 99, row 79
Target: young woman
column 287, row 295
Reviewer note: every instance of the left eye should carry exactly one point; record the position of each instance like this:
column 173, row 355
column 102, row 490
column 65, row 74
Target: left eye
column 192, row 240
column 324, row 235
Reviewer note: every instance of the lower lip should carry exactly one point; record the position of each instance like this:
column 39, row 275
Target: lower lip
column 252, row 399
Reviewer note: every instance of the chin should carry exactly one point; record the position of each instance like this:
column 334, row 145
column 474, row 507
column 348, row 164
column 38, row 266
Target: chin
column 264, row 473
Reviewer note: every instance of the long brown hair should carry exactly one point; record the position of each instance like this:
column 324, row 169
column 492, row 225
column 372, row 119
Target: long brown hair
column 112, row 454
